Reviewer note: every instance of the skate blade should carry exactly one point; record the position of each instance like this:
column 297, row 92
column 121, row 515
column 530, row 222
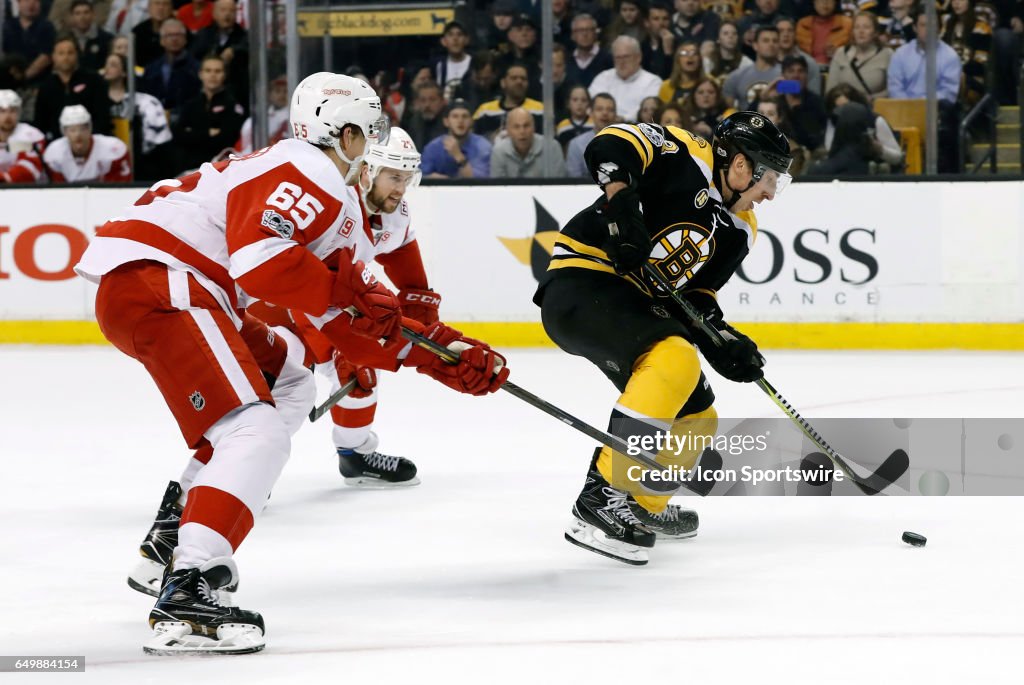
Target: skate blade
column 583, row 534
column 369, row 483
column 146, row 577
column 678, row 536
column 171, row 638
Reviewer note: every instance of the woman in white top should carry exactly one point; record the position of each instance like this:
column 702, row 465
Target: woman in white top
column 864, row 62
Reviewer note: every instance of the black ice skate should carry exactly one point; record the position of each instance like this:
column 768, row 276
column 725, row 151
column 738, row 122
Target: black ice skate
column 159, row 544
column 603, row 522
column 365, row 467
column 675, row 523
column 189, row 618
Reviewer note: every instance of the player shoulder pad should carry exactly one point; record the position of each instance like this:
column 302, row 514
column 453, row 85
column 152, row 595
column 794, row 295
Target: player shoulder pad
column 646, row 141
column 111, row 147
column 699, row 149
column 56, row 151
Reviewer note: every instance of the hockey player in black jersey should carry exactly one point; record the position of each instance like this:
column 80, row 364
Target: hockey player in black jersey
column 685, row 206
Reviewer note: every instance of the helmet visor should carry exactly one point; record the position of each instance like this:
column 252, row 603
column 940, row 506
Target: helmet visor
column 771, row 181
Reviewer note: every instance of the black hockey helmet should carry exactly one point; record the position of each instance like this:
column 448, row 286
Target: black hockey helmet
column 758, row 139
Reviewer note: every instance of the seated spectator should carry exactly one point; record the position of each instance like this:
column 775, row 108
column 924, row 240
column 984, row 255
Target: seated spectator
column 120, row 46
column 627, row 81
column 670, row 115
column 495, row 34
column 125, row 15
column 32, row 36
column 897, row 27
column 774, row 109
column 482, row 84
column 562, row 12
column 603, row 114
column 743, row 86
column 226, row 38
column 824, row 32
column 460, row 153
column 278, row 123
column 93, row 42
column 629, row 21
column 691, row 22
column 970, row 36
column 687, row 72
column 148, row 47
column 588, row 59
column 196, row 15
column 766, row 13
column 886, row 149
column 524, row 153
column 864, row 62
column 851, row 151
column 20, row 143
column 523, row 49
column 578, row 122
column 454, row 65
column 172, row 78
column 489, row 118
column 659, row 44
column 212, row 120
column 151, row 140
column 424, row 120
column 562, row 86
column 907, row 80
column 704, row 109
column 68, row 84
column 83, row 156
column 789, row 48
column 726, row 56
column 806, row 110
column 648, row 108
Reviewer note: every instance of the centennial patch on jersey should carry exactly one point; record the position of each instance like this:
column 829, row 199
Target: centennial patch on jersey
column 197, row 400
column 701, row 199
column 652, row 134
column 278, row 224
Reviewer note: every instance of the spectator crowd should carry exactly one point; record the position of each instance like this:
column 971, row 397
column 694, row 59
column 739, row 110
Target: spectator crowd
column 472, row 102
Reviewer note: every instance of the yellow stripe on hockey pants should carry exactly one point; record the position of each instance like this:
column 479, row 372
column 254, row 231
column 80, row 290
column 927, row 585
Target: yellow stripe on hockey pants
column 662, row 379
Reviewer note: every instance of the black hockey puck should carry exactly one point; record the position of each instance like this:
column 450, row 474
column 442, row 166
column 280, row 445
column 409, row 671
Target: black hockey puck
column 914, row 539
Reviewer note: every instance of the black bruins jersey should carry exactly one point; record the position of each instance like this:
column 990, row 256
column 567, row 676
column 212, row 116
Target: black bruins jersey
column 697, row 242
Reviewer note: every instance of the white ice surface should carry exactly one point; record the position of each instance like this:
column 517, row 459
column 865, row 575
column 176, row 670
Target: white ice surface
column 466, row 578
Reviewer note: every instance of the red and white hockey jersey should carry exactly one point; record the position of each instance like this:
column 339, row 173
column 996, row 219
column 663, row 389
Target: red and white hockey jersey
column 107, row 161
column 19, row 155
column 262, row 227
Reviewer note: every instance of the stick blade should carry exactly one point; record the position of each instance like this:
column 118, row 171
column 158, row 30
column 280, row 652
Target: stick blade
column 891, row 470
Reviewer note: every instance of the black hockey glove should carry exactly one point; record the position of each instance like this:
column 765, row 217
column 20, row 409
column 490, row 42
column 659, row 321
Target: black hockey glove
column 628, row 244
column 735, row 356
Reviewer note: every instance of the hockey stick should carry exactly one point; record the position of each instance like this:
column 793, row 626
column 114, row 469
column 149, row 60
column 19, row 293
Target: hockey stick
column 317, row 412
column 894, row 466
column 700, row 487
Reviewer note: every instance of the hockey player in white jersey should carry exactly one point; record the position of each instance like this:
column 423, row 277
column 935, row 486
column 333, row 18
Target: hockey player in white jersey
column 175, row 272
column 20, row 144
column 82, row 155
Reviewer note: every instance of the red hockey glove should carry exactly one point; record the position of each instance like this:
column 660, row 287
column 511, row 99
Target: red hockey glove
column 479, row 371
column 366, row 377
column 379, row 313
column 421, row 305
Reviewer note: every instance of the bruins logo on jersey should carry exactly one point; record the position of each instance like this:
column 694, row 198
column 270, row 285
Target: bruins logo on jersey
column 680, row 250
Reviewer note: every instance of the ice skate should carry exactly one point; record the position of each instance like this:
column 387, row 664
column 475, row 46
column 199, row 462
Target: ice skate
column 159, row 544
column 189, row 617
column 365, row 467
column 674, row 523
column 604, row 523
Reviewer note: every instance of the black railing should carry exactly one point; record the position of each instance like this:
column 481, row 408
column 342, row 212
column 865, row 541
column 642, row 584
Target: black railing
column 989, row 105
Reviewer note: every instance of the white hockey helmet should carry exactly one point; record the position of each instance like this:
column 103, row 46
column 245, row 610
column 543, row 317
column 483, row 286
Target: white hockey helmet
column 398, row 153
column 324, row 103
column 73, row 115
column 9, row 100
